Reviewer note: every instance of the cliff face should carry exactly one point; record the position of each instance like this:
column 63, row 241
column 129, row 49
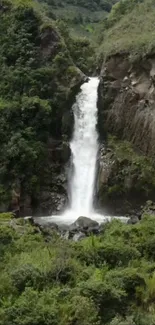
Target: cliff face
column 127, row 112
column 127, row 101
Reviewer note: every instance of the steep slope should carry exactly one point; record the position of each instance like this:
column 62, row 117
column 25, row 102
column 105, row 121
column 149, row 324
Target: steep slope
column 38, row 80
column 127, row 99
column 129, row 28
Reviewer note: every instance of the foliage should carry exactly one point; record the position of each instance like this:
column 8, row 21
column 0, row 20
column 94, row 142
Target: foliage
column 34, row 85
column 83, row 15
column 121, row 31
column 132, row 173
column 81, row 49
column 61, row 282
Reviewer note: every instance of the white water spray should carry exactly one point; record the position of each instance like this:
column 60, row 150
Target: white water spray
column 84, row 147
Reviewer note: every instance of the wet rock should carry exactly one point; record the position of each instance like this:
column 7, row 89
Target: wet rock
column 63, row 228
column 26, row 206
column 50, row 203
column 42, row 222
column 66, row 235
column 133, row 220
column 78, row 236
column 67, row 122
column 66, row 152
column 47, row 229
column 93, row 230
column 30, row 220
column 59, row 151
column 84, row 223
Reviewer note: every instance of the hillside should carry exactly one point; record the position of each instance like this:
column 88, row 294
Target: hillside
column 129, row 28
column 81, row 16
column 37, row 86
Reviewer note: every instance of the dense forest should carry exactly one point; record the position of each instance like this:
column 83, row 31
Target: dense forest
column 38, row 77
column 46, row 279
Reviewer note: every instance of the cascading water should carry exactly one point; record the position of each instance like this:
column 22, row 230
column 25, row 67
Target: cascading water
column 84, row 147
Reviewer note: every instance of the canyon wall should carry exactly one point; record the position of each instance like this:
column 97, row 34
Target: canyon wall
column 127, row 101
column 126, row 116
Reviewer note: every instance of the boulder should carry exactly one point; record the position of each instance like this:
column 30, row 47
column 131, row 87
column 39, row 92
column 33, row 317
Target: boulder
column 85, row 224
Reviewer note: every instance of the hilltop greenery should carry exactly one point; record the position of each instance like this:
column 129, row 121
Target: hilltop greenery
column 81, row 15
column 129, row 28
column 108, row 280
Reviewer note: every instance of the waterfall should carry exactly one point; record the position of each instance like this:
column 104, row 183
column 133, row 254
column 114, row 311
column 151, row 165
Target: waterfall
column 84, row 147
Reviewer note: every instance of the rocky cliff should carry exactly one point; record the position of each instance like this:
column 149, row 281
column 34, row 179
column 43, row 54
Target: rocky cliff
column 127, row 101
column 127, row 111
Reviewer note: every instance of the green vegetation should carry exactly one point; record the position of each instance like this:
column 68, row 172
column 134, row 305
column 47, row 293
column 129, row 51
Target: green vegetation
column 108, row 280
column 132, row 174
column 44, row 279
column 81, row 49
column 81, row 15
column 129, row 28
column 36, row 77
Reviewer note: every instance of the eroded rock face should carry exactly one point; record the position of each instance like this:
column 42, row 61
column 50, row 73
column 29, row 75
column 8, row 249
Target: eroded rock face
column 127, row 101
column 126, row 109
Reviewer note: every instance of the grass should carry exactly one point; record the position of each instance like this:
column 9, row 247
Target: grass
column 133, row 33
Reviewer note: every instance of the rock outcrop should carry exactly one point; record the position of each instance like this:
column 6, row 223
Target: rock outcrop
column 127, row 101
column 126, row 108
